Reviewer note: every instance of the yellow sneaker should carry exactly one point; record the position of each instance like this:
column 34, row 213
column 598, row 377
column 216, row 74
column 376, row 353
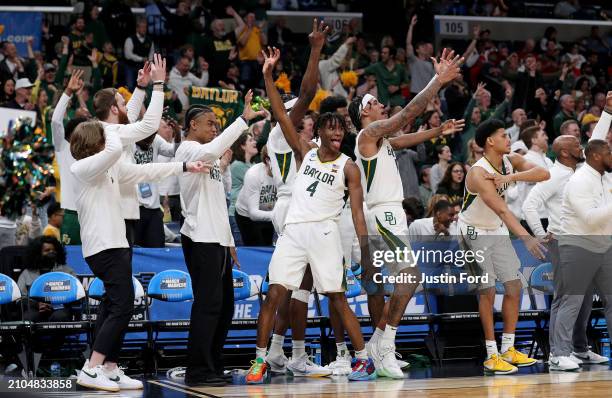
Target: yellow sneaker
column 517, row 358
column 498, row 366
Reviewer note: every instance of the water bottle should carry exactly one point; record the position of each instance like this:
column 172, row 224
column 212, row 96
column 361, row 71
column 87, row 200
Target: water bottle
column 56, row 370
column 315, row 349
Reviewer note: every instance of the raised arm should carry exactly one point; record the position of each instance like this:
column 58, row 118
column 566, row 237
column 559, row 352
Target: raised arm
column 449, row 127
column 472, row 46
column 237, row 19
column 447, row 70
column 603, row 125
column 57, row 120
column 90, row 168
column 308, row 89
column 297, row 144
column 409, row 47
column 136, row 101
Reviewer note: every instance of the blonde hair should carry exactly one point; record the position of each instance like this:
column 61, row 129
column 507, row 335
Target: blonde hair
column 432, row 202
column 87, row 140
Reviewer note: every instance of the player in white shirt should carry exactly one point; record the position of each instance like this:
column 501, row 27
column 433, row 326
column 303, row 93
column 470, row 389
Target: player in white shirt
column 255, row 204
column 112, row 111
column 98, row 173
column 375, row 152
column 440, row 225
column 483, row 225
column 207, row 241
column 311, row 234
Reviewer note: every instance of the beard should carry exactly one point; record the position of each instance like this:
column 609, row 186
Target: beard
column 579, row 159
column 123, row 117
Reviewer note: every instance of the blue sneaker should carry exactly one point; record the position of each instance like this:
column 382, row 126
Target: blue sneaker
column 363, row 370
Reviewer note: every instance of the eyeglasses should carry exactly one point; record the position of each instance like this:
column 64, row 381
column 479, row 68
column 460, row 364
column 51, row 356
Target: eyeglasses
column 458, row 171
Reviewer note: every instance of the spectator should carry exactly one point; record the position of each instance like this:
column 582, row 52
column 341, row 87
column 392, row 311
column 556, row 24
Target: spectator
column 45, row 254
column 231, row 81
column 437, row 171
column 425, row 188
column 391, row 78
column 457, row 96
column 8, row 91
column 109, row 65
column 526, row 84
column 328, row 68
column 432, row 203
column 550, row 35
column 220, row 47
column 94, row 26
column 453, row 182
column 179, row 22
column 118, row 19
column 306, row 127
column 12, row 66
column 78, row 46
column 279, row 35
column 575, row 58
column 441, row 223
column 150, row 226
column 568, row 108
column 570, row 127
column 23, row 93
column 369, row 86
column 28, row 227
column 518, row 117
column 255, row 203
column 407, row 160
column 181, row 79
column 566, row 8
column 55, row 217
column 251, row 41
column 413, row 209
column 243, row 150
column 169, row 189
column 475, row 152
column 421, row 68
column 137, row 49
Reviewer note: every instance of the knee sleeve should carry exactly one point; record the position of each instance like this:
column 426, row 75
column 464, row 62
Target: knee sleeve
column 301, row 295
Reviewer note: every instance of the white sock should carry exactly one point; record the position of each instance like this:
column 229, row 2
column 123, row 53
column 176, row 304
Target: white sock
column 298, row 349
column 363, row 354
column 389, row 335
column 341, row 349
column 491, row 346
column 276, row 347
column 377, row 335
column 260, row 352
column 507, row 341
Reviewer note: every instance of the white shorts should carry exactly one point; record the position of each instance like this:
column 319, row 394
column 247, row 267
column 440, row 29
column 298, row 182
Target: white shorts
column 279, row 213
column 388, row 230
column 350, row 243
column 500, row 260
column 314, row 243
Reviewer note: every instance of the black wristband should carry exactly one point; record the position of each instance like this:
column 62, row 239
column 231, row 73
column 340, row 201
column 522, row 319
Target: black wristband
column 141, row 87
column 608, row 111
column 184, row 166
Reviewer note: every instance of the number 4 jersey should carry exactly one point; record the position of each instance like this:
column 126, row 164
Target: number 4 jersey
column 319, row 189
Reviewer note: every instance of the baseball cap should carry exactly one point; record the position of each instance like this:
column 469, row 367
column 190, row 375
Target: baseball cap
column 49, row 67
column 23, row 83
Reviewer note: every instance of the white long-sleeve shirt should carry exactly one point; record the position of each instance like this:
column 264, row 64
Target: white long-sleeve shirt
column 203, row 198
column 158, row 147
column 601, row 133
column 328, row 69
column 62, row 154
column 547, row 194
column 586, row 215
column 131, row 133
column 539, row 159
column 128, row 50
column 178, row 83
column 97, row 193
column 258, row 194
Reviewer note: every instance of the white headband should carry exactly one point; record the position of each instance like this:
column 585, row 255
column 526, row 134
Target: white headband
column 365, row 101
column 290, row 104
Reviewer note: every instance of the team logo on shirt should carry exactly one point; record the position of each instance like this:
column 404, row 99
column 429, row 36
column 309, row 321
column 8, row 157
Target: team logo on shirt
column 215, row 173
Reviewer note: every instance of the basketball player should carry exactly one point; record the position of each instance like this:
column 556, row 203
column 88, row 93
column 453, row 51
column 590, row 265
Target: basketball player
column 282, row 164
column 311, row 234
column 384, row 194
column 483, row 226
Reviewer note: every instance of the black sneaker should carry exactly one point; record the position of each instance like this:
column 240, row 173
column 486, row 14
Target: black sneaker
column 211, row 381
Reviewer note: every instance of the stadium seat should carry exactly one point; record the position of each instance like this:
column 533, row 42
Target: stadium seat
column 12, row 330
column 59, row 289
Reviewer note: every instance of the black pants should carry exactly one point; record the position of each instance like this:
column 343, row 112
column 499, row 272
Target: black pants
column 544, row 222
column 130, row 231
column 150, row 228
column 255, row 233
column 174, row 203
column 114, row 267
column 213, row 306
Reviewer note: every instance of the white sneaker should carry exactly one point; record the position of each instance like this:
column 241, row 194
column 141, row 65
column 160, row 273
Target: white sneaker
column 588, row 357
column 341, row 366
column 123, row 381
column 390, row 367
column 373, row 352
column 562, row 364
column 400, row 363
column 277, row 362
column 95, row 378
column 304, row 367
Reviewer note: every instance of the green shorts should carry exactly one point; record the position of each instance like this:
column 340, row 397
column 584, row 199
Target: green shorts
column 71, row 230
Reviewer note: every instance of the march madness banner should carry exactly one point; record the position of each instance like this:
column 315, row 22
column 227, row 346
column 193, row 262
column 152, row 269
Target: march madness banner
column 227, row 104
column 17, row 27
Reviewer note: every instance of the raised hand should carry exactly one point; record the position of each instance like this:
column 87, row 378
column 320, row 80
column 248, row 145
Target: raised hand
column 248, row 113
column 144, row 75
column 476, row 31
column 413, row 21
column 479, row 89
column 158, row 68
column 452, row 126
column 93, row 57
column 318, row 35
column 270, row 59
column 448, row 67
column 229, row 10
column 75, row 83
column 608, row 107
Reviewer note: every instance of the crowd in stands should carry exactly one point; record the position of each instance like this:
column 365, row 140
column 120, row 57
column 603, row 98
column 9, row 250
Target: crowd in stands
column 540, row 88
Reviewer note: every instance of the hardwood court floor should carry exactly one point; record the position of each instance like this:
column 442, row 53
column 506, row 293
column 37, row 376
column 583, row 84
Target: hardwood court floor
column 592, row 381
